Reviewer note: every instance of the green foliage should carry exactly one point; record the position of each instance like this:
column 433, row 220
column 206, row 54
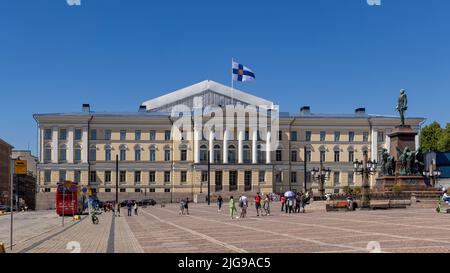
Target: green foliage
column 444, row 140
column 357, row 190
column 430, row 137
column 347, row 190
column 397, row 188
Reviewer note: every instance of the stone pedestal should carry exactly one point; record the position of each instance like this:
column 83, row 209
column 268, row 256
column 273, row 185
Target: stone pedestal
column 402, row 137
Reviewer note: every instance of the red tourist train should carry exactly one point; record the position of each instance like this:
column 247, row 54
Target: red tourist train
column 68, row 199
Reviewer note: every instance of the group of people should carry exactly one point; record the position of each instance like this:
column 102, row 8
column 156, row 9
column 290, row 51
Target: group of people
column 261, row 206
column 295, row 204
column 184, row 206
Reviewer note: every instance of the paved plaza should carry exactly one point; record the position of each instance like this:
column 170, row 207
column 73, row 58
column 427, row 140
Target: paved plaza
column 162, row 230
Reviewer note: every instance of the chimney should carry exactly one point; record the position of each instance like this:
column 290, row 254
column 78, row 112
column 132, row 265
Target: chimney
column 86, row 108
column 142, row 109
column 305, row 110
column 360, row 111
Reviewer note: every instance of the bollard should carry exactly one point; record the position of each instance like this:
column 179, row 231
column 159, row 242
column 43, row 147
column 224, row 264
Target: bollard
column 2, row 248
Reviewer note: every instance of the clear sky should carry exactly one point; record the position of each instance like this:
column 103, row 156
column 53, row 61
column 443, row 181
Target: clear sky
column 334, row 55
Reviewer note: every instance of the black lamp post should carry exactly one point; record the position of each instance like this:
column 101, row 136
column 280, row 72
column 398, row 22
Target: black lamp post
column 366, row 168
column 433, row 175
column 321, row 175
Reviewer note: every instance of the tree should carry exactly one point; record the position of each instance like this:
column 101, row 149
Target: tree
column 430, row 137
column 444, row 140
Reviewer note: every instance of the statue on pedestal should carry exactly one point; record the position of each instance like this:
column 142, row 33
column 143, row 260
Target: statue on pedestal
column 402, row 105
column 387, row 164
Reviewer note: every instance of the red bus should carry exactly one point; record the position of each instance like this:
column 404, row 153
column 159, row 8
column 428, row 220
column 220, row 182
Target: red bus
column 68, row 198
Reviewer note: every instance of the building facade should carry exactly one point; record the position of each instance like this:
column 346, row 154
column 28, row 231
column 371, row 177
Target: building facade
column 5, row 172
column 26, row 186
column 83, row 146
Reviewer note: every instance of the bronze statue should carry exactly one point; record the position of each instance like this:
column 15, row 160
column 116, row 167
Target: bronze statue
column 387, row 164
column 403, row 158
column 402, row 105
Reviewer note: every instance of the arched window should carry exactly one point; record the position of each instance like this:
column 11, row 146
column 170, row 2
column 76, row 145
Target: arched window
column 167, row 153
column 247, row 154
column 152, row 153
column 93, row 153
column 323, row 153
column 77, row 153
column 137, row 152
column 183, row 152
column 62, row 153
column 217, row 153
column 337, row 153
column 261, row 154
column 123, row 153
column 48, row 152
column 108, row 152
column 203, row 153
column 231, row 154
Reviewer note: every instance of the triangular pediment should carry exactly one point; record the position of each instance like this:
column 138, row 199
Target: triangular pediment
column 213, row 93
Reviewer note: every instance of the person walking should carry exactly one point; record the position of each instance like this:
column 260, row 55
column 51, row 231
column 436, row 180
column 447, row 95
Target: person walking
column 182, row 205
column 186, row 205
column 135, row 206
column 267, row 205
column 298, row 201
column 283, row 201
column 129, row 205
column 219, row 203
column 243, row 203
column 232, row 207
column 117, row 209
column 257, row 203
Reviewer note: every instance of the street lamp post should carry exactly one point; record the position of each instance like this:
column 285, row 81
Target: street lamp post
column 366, row 168
column 433, row 175
column 321, row 175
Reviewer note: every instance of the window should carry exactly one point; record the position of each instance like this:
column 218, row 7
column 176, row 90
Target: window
column 107, row 134
column 137, row 190
column 337, row 136
column 62, row 176
column 152, row 190
column 47, row 190
column 323, row 135
column 152, row 153
column 166, row 190
column 233, row 180
column 47, row 177
column 262, row 176
column 278, row 177
column 261, row 154
column 294, row 136
column 152, row 177
column 336, row 179
column 351, row 136
column 351, row 178
column 123, row 153
column 77, row 134
column 246, row 154
column 62, row 134
column 123, row 190
column 93, row 176
column 294, row 156
column 167, row 154
column 137, row 135
column 166, row 176
column 137, row 153
column 203, row 153
column 183, row 176
column 308, row 136
column 204, row 176
column 107, row 190
column 278, row 155
column 62, row 153
column 152, row 135
column 48, row 134
column 183, row 155
column 107, row 176
column 380, row 136
column 247, row 135
column 336, row 156
column 308, row 156
column 47, row 153
column 93, row 153
column 108, row 153
column 123, row 135
column 365, row 136
column 167, row 135
column 218, row 182
column 293, row 177
column 77, row 176
column 280, row 135
column 77, row 153
column 351, row 156
column 93, row 134
column 217, row 156
column 123, row 176
column 322, row 156
column 231, row 154
column 248, row 180
column 137, row 177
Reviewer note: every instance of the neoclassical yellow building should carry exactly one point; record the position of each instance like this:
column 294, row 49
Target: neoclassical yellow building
column 83, row 146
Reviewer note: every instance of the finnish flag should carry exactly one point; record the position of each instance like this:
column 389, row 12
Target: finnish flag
column 242, row 73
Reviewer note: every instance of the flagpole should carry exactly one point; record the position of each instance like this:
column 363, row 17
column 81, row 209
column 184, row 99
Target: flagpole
column 232, row 82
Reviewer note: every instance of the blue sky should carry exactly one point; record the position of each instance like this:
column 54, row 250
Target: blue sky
column 334, row 55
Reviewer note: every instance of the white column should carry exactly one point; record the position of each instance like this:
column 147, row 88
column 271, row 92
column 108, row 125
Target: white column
column 70, row 145
column 211, row 147
column 387, row 145
column 196, row 145
column 268, row 147
column 255, row 147
column 55, row 145
column 241, row 146
column 41, row 145
column 374, row 145
column 225, row 146
column 417, row 140
column 84, row 147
